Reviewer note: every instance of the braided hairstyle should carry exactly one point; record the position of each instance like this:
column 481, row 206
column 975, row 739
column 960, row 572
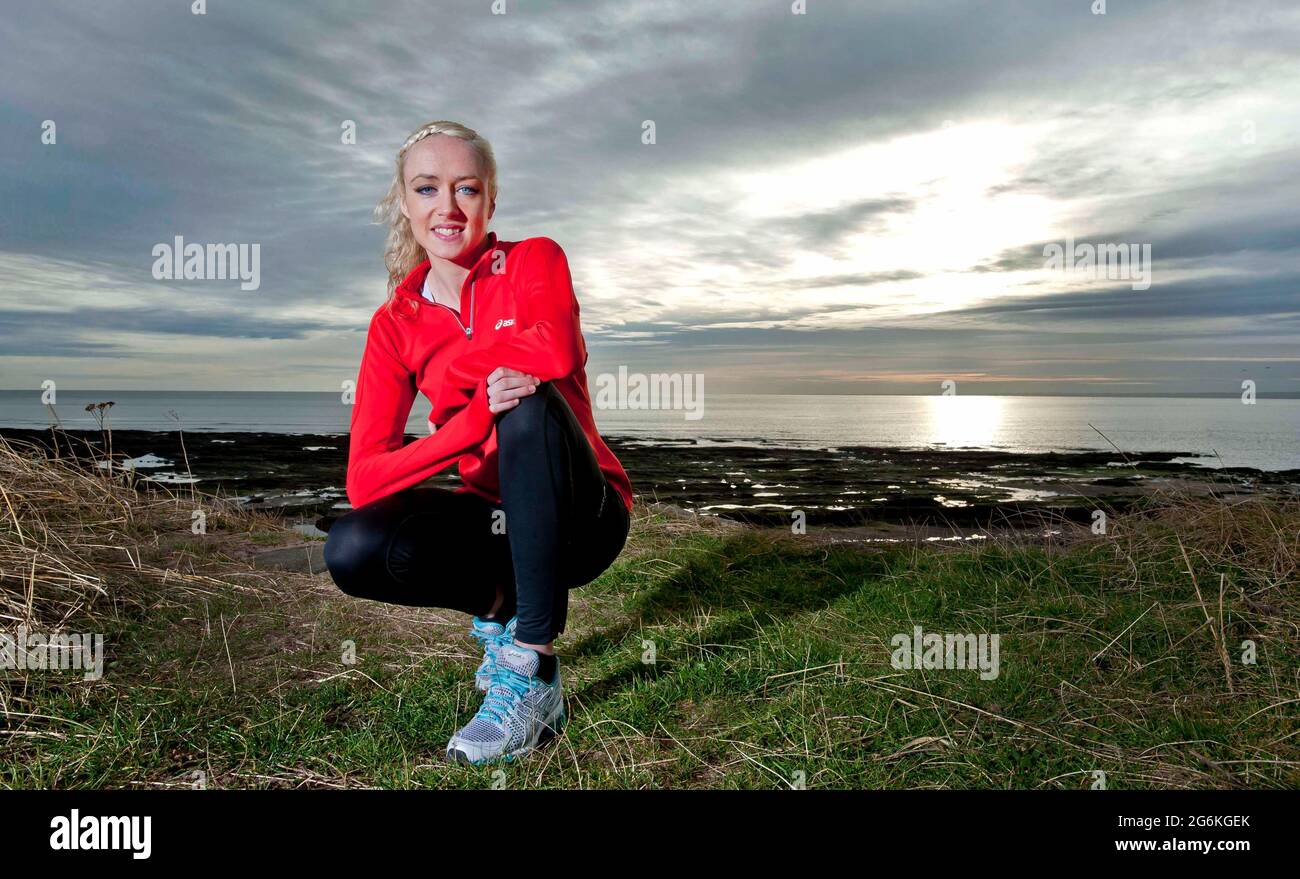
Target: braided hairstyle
column 401, row 251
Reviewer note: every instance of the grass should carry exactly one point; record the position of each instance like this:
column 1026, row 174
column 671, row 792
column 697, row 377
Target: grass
column 1118, row 655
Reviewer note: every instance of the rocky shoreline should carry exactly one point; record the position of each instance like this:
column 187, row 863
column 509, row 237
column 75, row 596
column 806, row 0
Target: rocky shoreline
column 301, row 476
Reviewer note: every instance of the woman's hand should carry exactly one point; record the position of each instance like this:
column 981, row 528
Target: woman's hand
column 506, row 386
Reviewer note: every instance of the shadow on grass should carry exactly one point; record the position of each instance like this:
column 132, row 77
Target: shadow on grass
column 743, row 584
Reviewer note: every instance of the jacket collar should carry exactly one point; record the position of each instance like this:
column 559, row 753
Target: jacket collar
column 413, row 284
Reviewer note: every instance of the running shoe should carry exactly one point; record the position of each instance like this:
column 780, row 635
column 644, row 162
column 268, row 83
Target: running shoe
column 520, row 712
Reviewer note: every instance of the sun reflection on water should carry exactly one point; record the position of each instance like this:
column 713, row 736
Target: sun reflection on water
column 964, row 421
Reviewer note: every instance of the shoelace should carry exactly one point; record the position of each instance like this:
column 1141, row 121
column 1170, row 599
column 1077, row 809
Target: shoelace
column 489, row 658
column 508, row 687
column 489, row 662
column 483, row 636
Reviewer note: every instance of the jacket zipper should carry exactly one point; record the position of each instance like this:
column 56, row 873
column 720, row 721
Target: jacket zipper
column 469, row 332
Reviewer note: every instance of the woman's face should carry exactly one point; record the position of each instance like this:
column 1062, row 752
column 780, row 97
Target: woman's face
column 445, row 198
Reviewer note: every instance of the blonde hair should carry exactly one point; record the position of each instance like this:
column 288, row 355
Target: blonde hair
column 402, row 252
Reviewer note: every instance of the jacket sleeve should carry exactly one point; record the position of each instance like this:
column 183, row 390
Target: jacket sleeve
column 378, row 463
column 550, row 346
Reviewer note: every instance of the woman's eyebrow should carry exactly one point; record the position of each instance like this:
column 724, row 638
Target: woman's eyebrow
column 435, row 177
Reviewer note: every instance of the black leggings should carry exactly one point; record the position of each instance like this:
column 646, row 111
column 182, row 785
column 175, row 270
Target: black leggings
column 563, row 525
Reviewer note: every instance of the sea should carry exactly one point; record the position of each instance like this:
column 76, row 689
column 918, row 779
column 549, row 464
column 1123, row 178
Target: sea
column 1212, row 432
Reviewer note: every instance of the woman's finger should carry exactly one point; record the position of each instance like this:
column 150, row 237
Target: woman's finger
column 511, row 394
column 502, row 407
column 511, row 382
column 503, row 371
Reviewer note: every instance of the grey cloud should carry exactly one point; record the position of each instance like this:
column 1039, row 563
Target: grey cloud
column 225, row 128
column 30, row 332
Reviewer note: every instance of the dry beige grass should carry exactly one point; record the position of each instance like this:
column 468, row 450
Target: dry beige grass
column 76, row 541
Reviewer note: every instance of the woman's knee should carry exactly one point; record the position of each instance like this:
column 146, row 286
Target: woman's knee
column 526, row 422
column 354, row 552
column 605, row 544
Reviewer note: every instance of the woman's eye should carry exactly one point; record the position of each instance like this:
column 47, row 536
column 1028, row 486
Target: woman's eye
column 426, row 189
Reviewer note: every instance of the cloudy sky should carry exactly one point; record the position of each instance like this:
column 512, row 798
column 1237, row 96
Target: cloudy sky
column 853, row 200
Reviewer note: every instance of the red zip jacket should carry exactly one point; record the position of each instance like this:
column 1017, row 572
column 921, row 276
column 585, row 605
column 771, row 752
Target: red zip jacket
column 522, row 314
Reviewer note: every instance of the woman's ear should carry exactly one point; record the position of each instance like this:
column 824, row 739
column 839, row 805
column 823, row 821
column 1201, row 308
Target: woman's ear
column 402, row 205
column 493, row 209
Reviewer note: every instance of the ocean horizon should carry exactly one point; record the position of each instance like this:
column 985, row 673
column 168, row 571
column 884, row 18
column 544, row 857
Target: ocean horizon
column 1211, row 431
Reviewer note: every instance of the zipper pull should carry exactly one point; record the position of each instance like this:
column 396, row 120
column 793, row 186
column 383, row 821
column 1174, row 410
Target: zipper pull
column 469, row 329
